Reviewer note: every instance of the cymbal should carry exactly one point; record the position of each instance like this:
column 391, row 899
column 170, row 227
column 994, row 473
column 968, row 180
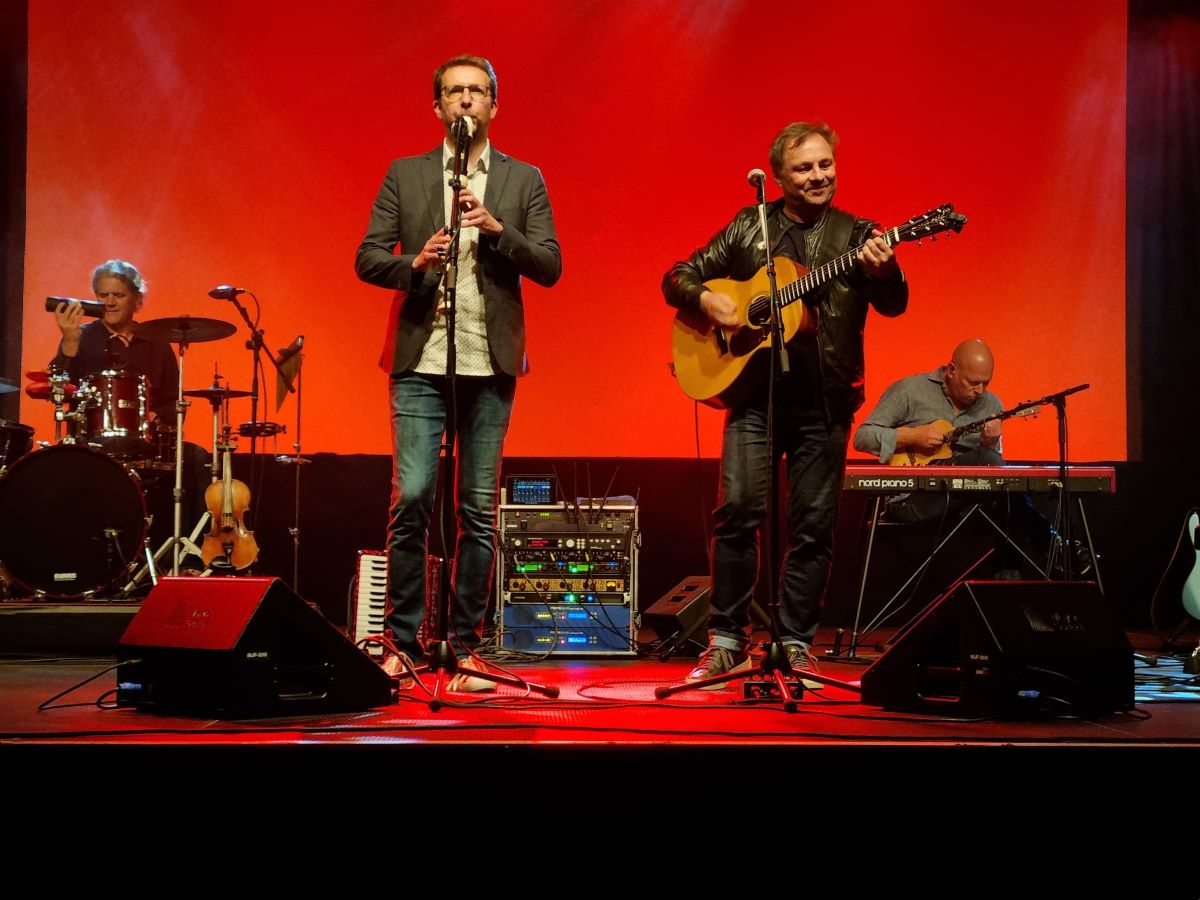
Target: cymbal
column 261, row 429
column 217, row 394
column 184, row 330
column 7, row 386
column 41, row 391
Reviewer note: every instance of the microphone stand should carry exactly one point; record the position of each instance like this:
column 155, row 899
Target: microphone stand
column 296, row 460
column 1060, row 405
column 441, row 657
column 774, row 664
column 255, row 345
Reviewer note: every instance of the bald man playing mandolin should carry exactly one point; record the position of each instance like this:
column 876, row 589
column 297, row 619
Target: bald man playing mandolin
column 939, row 415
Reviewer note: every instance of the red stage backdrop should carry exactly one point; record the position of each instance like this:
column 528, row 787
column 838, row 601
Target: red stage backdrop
column 243, row 143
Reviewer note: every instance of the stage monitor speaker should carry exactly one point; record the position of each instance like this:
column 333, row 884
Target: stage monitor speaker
column 241, row 648
column 1008, row 649
column 679, row 616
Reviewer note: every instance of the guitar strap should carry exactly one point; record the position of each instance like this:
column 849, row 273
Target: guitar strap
column 834, row 238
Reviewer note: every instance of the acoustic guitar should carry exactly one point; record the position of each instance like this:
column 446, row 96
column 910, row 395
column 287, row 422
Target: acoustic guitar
column 720, row 367
column 952, row 434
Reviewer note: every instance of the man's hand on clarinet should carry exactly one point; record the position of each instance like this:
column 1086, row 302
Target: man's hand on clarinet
column 432, row 253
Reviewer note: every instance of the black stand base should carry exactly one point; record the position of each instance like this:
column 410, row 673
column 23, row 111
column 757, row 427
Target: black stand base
column 774, row 666
column 443, row 662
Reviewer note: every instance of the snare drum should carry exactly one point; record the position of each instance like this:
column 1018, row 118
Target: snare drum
column 72, row 521
column 114, row 417
column 15, row 441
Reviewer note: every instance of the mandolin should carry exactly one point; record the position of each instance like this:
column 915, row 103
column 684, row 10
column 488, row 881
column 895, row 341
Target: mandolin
column 952, row 434
column 720, row 366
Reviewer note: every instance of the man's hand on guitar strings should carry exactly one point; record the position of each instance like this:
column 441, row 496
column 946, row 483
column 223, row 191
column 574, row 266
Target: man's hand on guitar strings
column 720, row 309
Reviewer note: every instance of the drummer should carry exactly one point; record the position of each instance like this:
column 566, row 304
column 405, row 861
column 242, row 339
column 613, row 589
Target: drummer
column 111, row 344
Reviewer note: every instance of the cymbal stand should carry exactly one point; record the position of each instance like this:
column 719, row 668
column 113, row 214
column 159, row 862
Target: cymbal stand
column 151, row 565
column 181, row 405
column 177, row 542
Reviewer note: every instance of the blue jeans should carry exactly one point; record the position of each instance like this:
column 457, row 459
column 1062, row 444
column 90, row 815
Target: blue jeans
column 816, row 458
column 418, row 422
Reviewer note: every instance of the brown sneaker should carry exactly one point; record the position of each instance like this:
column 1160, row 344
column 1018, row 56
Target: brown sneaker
column 716, row 661
column 800, row 659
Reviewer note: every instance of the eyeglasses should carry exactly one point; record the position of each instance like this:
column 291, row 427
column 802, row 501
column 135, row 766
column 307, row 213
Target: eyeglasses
column 455, row 92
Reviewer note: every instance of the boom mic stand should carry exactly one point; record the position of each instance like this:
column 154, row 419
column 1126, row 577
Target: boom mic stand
column 255, row 429
column 297, row 459
column 441, row 657
column 774, row 664
column 1060, row 405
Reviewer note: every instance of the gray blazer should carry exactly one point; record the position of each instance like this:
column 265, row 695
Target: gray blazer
column 409, row 209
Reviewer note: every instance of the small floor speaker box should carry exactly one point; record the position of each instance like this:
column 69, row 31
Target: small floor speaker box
column 241, row 648
column 1008, row 649
column 679, row 616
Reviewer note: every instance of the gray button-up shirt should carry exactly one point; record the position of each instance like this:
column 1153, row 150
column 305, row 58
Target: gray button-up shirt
column 918, row 400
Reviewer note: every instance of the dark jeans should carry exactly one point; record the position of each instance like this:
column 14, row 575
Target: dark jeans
column 418, row 420
column 816, row 457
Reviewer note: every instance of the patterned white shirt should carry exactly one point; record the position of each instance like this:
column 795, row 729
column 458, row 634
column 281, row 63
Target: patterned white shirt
column 470, row 322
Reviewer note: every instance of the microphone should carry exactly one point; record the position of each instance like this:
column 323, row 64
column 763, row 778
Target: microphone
column 756, row 177
column 464, row 128
column 291, row 349
column 225, row 292
column 90, row 307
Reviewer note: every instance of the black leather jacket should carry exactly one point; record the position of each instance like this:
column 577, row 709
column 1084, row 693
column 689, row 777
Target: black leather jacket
column 843, row 302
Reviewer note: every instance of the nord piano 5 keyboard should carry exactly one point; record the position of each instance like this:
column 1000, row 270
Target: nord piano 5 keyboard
column 952, row 479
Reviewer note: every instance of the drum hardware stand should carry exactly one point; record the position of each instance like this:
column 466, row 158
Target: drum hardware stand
column 58, row 394
column 441, row 657
column 774, row 665
column 181, row 405
column 150, row 566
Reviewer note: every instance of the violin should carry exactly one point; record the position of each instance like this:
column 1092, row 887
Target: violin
column 228, row 541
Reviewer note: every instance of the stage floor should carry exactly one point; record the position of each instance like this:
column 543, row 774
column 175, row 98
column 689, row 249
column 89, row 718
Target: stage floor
column 602, row 701
column 607, row 747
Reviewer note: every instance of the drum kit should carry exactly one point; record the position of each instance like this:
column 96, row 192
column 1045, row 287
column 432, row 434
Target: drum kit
column 74, row 521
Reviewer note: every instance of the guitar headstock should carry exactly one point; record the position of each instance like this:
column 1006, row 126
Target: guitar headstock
column 944, row 218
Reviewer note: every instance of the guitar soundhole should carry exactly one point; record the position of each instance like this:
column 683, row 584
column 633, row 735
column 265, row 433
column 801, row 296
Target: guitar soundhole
column 758, row 311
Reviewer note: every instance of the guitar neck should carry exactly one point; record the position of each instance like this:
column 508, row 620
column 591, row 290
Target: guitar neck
column 831, row 270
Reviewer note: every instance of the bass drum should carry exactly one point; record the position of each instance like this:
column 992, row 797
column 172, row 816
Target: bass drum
column 15, row 441
column 72, row 521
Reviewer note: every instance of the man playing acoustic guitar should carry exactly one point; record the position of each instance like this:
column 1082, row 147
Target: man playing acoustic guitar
column 814, row 404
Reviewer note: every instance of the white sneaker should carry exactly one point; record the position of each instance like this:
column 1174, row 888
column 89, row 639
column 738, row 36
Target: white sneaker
column 464, row 683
